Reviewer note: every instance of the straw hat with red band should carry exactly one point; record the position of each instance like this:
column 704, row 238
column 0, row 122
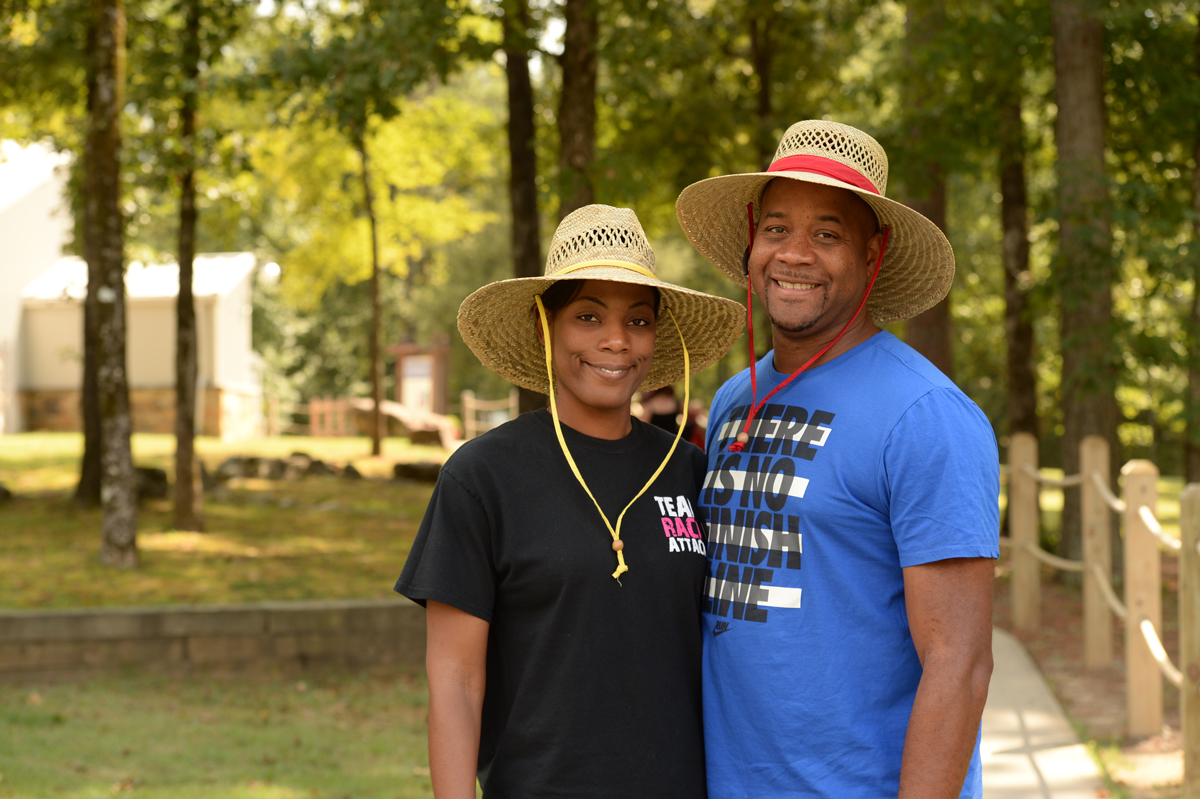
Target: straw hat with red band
column 918, row 267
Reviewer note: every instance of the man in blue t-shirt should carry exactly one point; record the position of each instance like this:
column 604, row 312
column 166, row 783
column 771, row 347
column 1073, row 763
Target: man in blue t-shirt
column 851, row 496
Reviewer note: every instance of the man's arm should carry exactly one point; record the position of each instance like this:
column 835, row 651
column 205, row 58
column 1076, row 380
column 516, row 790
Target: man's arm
column 949, row 605
column 456, row 662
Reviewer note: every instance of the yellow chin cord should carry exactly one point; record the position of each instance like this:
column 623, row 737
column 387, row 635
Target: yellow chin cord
column 618, row 544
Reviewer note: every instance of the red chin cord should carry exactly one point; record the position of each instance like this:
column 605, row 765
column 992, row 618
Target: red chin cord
column 756, row 406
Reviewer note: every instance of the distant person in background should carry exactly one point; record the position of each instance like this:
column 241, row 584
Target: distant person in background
column 661, row 408
column 560, row 560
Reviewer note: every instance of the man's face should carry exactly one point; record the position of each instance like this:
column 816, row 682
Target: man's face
column 814, row 251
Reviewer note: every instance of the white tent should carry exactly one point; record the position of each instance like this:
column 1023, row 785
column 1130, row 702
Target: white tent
column 35, row 224
column 229, row 391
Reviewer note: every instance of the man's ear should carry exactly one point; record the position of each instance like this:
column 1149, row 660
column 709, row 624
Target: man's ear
column 874, row 244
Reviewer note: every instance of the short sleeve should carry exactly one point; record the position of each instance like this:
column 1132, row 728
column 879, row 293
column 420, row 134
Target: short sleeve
column 942, row 481
column 451, row 559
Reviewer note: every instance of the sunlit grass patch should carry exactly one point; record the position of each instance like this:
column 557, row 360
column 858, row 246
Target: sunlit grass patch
column 312, row 538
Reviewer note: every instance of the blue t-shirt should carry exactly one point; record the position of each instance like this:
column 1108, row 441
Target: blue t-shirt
column 860, row 467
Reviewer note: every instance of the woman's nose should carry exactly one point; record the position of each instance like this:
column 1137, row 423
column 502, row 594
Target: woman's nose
column 615, row 337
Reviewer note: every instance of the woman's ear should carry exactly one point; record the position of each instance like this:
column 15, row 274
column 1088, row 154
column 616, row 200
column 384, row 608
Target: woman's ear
column 537, row 328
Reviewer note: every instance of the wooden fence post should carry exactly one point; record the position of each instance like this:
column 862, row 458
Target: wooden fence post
column 469, row 418
column 1189, row 637
column 1143, row 599
column 1097, row 551
column 1023, row 518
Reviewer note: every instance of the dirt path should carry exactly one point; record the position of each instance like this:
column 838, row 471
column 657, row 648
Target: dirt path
column 1150, row 768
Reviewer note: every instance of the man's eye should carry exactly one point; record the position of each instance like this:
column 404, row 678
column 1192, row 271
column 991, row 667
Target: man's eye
column 775, row 229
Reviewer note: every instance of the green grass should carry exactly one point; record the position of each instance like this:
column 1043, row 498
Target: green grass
column 208, row 737
column 315, row 538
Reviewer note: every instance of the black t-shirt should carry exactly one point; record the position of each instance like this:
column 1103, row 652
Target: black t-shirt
column 593, row 687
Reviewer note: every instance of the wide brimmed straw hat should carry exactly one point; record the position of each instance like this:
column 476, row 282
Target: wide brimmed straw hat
column 918, row 266
column 596, row 242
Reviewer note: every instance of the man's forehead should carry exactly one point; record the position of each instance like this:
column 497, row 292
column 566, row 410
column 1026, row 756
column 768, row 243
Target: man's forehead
column 784, row 196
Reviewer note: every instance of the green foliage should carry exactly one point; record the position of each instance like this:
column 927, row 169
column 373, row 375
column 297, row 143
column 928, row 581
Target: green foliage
column 687, row 89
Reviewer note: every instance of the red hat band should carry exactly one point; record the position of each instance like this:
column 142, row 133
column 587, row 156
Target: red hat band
column 826, row 167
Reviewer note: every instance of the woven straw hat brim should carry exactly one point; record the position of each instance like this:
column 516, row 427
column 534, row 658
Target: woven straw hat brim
column 498, row 323
column 917, row 270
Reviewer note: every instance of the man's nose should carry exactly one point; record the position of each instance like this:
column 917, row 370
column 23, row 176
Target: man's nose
column 796, row 248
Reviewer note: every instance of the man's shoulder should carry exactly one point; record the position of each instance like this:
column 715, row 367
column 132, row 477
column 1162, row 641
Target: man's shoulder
column 897, row 361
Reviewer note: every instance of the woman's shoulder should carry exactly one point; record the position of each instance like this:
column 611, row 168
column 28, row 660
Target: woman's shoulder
column 501, row 445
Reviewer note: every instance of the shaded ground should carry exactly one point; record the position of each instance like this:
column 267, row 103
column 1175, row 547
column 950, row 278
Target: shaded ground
column 1095, row 701
column 212, row 737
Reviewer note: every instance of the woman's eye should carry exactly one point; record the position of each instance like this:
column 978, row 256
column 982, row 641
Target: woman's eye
column 640, row 322
column 586, row 317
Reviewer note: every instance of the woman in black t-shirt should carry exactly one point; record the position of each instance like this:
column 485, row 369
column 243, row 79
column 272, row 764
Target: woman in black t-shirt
column 560, row 558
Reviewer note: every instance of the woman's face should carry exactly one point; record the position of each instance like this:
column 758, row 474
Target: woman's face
column 603, row 345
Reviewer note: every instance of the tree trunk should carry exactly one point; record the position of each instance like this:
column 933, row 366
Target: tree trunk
column 118, row 545
column 376, row 307
column 762, row 56
column 1084, row 270
column 522, row 160
column 1191, row 444
column 577, row 109
column 188, row 509
column 1018, row 326
column 929, row 333
column 87, row 492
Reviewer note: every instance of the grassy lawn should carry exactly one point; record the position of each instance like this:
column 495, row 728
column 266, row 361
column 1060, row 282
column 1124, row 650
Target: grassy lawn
column 209, row 737
column 313, row 538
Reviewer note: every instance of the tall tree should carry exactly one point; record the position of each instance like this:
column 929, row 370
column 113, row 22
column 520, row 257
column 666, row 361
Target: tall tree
column 522, row 157
column 924, row 178
column 1191, row 447
column 577, row 106
column 188, row 508
column 106, row 245
column 349, row 76
column 1014, row 220
column 1084, row 268
column 87, row 490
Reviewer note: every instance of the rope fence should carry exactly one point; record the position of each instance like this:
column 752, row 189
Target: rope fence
column 1144, row 542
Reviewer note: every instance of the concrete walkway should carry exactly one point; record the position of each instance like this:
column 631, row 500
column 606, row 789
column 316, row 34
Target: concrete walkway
column 1029, row 749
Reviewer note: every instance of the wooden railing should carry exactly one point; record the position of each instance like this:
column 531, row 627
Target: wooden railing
column 1146, row 660
column 478, row 416
column 321, row 416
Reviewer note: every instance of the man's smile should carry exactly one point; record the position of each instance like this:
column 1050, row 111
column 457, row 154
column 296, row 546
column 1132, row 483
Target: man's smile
column 795, row 286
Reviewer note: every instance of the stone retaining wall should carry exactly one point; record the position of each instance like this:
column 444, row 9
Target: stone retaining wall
column 349, row 633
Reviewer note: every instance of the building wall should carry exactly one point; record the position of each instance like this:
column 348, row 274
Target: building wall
column 35, row 225
column 52, row 344
column 229, row 415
